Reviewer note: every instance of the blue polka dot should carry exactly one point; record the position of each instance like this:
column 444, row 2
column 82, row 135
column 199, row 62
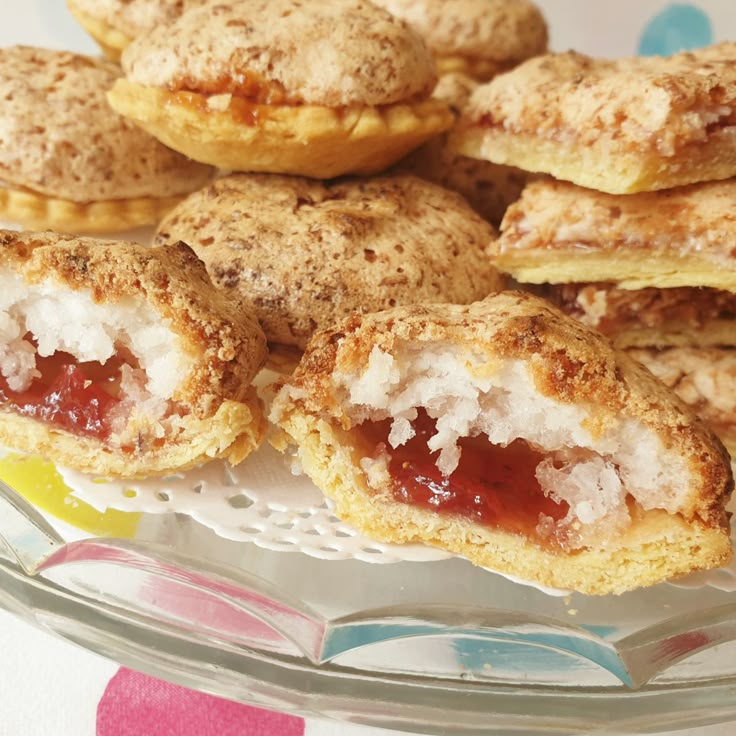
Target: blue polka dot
column 678, row 27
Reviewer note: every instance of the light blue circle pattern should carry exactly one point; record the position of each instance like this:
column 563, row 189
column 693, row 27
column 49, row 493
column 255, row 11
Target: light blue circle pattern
column 678, row 27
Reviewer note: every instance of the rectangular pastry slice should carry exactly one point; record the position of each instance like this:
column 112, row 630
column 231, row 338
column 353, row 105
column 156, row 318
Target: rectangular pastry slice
column 513, row 435
column 122, row 360
column 561, row 233
column 620, row 126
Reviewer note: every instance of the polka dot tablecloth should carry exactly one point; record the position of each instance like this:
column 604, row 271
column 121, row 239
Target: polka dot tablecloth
column 51, row 688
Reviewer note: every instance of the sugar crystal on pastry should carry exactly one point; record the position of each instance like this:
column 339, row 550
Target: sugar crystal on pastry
column 122, row 360
column 510, row 434
column 317, row 89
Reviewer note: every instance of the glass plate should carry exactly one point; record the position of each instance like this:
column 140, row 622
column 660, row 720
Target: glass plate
column 435, row 647
column 438, row 647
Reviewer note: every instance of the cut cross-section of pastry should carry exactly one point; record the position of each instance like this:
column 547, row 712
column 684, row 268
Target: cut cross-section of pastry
column 70, row 163
column 123, row 360
column 619, row 126
column 306, row 253
column 115, row 23
column 512, row 435
column 480, row 38
column 561, row 233
column 317, row 89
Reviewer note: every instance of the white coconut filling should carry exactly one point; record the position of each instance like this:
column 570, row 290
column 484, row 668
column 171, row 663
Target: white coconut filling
column 59, row 319
column 593, row 473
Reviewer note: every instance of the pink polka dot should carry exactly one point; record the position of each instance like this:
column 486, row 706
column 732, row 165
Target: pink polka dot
column 138, row 705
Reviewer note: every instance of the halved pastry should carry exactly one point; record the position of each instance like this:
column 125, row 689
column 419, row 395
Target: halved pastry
column 560, row 233
column 488, row 188
column 619, row 126
column 659, row 318
column 704, row 378
column 480, row 38
column 70, row 163
column 512, row 435
column 317, row 89
column 306, row 253
column 122, row 360
column 115, row 23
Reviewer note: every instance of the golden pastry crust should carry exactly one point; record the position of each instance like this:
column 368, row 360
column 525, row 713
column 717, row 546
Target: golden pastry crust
column 304, row 140
column 560, row 233
column 705, row 378
column 112, row 42
column 477, row 37
column 619, row 126
column 307, row 253
column 650, row 317
column 115, row 23
column 39, row 212
column 61, row 139
column 570, row 364
column 220, row 415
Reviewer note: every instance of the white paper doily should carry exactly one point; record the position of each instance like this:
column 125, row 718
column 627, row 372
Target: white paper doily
column 261, row 501
column 258, row 501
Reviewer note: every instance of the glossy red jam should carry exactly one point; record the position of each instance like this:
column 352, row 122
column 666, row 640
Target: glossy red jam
column 493, row 485
column 77, row 397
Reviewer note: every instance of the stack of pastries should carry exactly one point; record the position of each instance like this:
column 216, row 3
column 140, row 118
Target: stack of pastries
column 297, row 163
column 633, row 235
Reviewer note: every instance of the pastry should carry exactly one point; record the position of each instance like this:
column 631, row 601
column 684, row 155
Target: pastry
column 316, row 89
column 123, row 360
column 67, row 161
column 510, row 434
column 476, row 37
column 115, row 23
column 619, row 126
column 705, row 378
column 560, row 233
column 488, row 188
column 650, row 317
column 306, row 253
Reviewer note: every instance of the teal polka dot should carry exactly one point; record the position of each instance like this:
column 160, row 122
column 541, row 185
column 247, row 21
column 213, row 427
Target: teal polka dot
column 678, row 27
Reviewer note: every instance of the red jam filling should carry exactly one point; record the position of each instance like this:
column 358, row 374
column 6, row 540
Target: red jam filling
column 77, row 397
column 492, row 485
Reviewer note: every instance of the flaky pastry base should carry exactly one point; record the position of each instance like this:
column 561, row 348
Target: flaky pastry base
column 232, row 434
column 307, row 140
column 656, row 546
column 38, row 212
column 634, row 271
column 604, row 167
column 482, row 70
column 111, row 41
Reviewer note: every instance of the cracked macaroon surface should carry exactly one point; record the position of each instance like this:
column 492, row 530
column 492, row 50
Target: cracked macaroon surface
column 59, row 137
column 645, row 481
column 306, row 253
column 189, row 352
column 282, row 51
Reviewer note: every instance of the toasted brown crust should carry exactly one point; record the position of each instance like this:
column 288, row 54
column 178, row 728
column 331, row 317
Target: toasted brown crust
column 307, row 253
column 480, row 37
column 221, row 413
column 216, row 328
column 60, row 137
column 620, row 126
column 321, row 53
column 569, row 363
column 650, row 317
column 560, row 233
